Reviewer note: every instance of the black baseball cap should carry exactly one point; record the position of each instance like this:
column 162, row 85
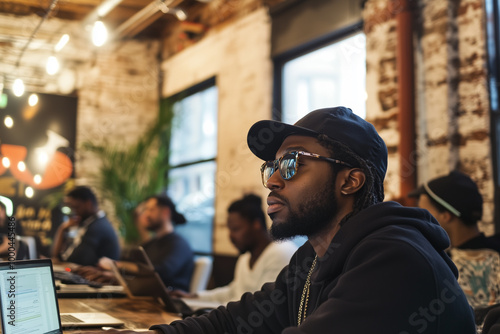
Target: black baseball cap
column 457, row 193
column 339, row 124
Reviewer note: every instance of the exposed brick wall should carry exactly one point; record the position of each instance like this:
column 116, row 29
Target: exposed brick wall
column 454, row 103
column 451, row 91
column 381, row 83
column 118, row 97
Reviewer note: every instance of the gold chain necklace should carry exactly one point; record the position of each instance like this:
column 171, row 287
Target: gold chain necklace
column 304, row 300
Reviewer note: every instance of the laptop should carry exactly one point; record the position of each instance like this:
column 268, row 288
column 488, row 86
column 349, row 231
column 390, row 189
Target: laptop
column 29, row 303
column 149, row 285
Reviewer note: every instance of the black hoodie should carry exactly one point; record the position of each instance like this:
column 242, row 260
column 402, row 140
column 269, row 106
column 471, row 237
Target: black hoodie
column 385, row 272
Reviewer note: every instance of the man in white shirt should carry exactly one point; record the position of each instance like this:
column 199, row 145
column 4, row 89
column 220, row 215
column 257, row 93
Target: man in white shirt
column 261, row 259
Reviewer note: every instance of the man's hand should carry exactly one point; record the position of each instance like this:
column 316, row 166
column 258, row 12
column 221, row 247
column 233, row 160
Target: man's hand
column 72, row 221
column 183, row 294
column 105, row 263
column 97, row 275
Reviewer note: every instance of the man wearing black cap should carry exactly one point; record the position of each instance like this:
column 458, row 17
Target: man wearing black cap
column 368, row 266
column 454, row 200
column 170, row 253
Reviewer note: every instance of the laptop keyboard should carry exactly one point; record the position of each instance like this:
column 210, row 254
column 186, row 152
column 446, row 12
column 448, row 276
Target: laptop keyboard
column 70, row 318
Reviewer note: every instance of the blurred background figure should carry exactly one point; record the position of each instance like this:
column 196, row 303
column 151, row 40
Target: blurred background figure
column 261, row 259
column 87, row 235
column 454, row 200
column 170, row 253
column 20, row 248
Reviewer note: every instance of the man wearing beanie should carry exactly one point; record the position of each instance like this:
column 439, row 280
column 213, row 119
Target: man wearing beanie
column 368, row 266
column 454, row 200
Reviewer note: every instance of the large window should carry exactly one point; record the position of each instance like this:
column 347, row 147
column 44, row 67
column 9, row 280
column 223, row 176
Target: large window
column 193, row 149
column 332, row 75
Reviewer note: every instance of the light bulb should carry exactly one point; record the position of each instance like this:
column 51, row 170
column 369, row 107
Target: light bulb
column 99, row 33
column 62, row 43
column 21, row 166
column 33, row 100
column 52, row 66
column 18, row 87
column 6, row 162
column 29, row 192
column 8, row 121
column 37, row 178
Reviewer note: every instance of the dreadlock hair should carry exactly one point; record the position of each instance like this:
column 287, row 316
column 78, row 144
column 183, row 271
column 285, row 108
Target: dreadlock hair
column 372, row 191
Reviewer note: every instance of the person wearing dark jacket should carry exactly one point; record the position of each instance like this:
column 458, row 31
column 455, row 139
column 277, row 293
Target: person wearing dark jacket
column 367, row 267
column 87, row 235
column 168, row 251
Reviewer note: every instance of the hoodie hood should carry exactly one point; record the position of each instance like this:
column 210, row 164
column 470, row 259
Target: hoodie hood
column 381, row 216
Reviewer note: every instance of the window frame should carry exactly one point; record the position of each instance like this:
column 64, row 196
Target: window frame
column 169, row 102
column 279, row 61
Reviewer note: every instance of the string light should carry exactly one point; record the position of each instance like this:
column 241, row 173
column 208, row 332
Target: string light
column 8, row 121
column 29, row 192
column 52, row 66
column 62, row 43
column 99, row 34
column 33, row 100
column 18, row 87
column 6, row 162
column 21, row 166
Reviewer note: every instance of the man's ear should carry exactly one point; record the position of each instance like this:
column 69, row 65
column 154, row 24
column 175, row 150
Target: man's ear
column 445, row 217
column 353, row 180
column 166, row 213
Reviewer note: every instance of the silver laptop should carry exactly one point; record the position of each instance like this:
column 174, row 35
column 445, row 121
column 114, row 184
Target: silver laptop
column 29, row 304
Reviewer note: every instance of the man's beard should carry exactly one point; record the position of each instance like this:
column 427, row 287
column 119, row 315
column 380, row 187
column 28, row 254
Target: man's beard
column 154, row 225
column 311, row 217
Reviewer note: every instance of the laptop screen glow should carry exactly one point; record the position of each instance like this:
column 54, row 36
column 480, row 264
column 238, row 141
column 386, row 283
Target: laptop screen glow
column 28, row 299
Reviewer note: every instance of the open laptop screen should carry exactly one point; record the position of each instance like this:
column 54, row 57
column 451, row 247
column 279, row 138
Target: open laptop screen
column 28, row 299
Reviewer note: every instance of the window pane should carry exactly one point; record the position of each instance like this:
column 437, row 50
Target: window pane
column 192, row 188
column 334, row 75
column 194, row 129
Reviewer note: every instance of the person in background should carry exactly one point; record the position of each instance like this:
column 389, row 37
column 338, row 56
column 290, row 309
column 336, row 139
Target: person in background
column 141, row 222
column 368, row 266
column 87, row 235
column 170, row 253
column 261, row 259
column 454, row 200
column 4, row 232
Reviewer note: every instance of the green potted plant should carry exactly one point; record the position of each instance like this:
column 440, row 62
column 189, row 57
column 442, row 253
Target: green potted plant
column 128, row 175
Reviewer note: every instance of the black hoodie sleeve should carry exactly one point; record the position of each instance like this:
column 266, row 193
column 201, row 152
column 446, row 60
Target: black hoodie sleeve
column 262, row 312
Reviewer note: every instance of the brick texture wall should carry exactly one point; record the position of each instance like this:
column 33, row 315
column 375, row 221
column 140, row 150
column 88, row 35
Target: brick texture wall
column 451, row 91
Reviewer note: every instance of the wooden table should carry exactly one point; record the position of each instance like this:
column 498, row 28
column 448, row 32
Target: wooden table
column 136, row 313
